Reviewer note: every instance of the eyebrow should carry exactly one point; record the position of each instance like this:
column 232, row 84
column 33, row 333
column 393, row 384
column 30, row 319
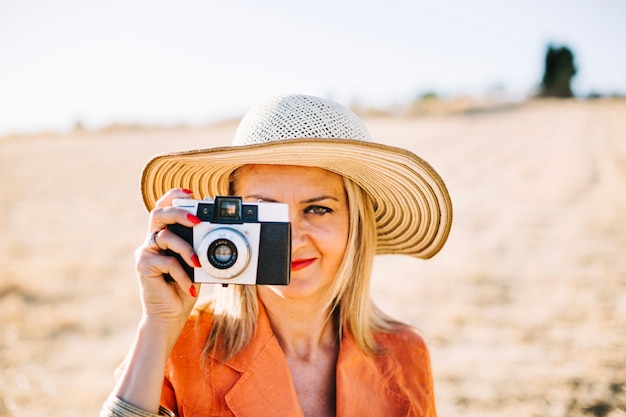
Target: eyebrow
column 308, row 201
column 320, row 198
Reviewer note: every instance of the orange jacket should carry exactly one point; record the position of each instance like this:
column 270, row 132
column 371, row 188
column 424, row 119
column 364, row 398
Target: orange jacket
column 257, row 382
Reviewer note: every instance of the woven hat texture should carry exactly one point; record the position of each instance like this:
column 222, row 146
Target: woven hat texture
column 299, row 116
column 412, row 206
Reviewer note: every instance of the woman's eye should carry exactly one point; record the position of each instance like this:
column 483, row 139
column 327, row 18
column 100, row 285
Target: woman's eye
column 318, row 210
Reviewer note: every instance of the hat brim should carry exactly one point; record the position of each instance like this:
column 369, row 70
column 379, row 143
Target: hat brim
column 411, row 202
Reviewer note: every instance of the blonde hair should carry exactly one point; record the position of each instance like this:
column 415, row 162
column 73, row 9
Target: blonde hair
column 235, row 308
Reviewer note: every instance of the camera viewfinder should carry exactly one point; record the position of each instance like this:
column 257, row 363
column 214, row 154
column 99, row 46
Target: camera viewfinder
column 227, row 210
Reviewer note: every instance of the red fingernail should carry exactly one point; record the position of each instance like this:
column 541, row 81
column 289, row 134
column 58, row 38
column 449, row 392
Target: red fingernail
column 186, row 191
column 193, row 219
column 192, row 291
column 195, row 260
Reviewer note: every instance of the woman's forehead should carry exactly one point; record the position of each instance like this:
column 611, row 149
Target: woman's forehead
column 286, row 171
column 294, row 179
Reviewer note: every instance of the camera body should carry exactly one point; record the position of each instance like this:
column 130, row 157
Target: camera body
column 237, row 242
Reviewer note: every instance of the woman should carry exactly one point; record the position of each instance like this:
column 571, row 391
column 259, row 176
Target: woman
column 315, row 347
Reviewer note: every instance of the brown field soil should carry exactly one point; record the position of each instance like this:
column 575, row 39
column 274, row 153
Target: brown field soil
column 524, row 309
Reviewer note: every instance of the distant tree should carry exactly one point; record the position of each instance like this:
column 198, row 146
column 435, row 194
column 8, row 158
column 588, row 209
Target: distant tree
column 428, row 95
column 559, row 70
column 78, row 126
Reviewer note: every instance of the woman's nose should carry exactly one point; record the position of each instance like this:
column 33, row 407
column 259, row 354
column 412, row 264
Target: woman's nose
column 299, row 232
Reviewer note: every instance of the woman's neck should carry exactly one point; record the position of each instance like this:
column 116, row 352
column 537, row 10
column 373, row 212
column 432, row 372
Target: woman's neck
column 301, row 326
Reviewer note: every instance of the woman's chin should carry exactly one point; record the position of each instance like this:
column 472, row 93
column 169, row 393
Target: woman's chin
column 299, row 288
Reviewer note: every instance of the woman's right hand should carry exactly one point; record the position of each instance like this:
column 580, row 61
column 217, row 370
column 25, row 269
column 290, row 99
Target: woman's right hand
column 169, row 303
column 166, row 305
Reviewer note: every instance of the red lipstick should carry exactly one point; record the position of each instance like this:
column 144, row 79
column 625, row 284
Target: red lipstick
column 298, row 264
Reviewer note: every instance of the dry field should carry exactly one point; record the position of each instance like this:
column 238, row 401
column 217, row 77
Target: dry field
column 524, row 309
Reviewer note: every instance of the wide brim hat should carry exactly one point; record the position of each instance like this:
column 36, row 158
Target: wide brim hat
column 411, row 202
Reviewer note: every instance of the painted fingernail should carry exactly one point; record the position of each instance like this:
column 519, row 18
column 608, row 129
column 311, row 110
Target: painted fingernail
column 193, row 219
column 186, row 191
column 192, row 291
column 195, row 260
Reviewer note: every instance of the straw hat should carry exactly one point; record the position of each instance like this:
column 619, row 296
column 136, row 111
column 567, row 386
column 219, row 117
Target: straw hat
column 411, row 203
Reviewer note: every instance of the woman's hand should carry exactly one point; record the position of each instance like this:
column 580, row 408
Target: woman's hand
column 166, row 305
column 169, row 303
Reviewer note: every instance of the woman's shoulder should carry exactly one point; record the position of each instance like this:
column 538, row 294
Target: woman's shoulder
column 403, row 345
column 404, row 354
column 401, row 336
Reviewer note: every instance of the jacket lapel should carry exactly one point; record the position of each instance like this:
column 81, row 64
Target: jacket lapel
column 362, row 386
column 265, row 387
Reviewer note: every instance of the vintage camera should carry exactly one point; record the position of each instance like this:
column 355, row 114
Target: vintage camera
column 237, row 242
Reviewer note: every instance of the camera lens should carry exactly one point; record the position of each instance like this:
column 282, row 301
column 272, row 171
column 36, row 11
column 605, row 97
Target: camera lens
column 222, row 253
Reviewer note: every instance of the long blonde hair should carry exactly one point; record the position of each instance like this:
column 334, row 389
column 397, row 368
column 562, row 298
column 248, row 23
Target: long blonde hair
column 235, row 308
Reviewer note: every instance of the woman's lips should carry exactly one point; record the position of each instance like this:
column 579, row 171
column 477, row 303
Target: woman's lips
column 299, row 264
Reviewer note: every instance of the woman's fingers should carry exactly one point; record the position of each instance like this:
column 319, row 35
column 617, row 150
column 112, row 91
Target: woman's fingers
column 165, row 214
column 161, row 217
column 167, row 198
column 151, row 263
column 154, row 266
column 167, row 240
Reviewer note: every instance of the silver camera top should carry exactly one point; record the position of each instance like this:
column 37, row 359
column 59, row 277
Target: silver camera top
column 232, row 210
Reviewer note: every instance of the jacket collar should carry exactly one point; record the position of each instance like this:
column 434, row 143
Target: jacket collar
column 266, row 383
column 362, row 384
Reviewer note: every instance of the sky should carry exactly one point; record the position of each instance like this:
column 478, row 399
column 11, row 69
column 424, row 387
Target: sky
column 194, row 62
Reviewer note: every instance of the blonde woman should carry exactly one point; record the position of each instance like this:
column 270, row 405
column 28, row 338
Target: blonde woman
column 317, row 346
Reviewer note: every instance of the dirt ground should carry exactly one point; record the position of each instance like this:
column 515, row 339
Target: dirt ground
column 524, row 310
